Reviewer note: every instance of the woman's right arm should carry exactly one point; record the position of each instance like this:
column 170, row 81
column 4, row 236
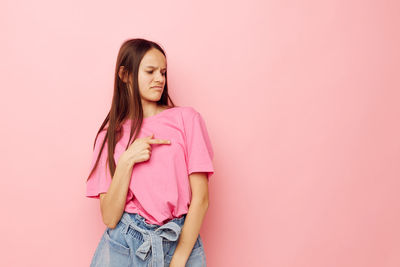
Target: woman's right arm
column 112, row 203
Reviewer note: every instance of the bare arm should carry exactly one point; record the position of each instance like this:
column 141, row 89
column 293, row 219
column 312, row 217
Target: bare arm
column 112, row 203
column 194, row 219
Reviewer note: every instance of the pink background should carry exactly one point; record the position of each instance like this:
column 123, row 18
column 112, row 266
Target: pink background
column 301, row 100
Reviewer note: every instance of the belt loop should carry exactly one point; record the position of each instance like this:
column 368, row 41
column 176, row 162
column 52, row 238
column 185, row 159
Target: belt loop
column 126, row 229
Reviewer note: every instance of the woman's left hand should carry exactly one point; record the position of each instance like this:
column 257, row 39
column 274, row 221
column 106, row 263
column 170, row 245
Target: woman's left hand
column 177, row 261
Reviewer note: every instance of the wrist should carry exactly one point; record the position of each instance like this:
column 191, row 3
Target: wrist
column 178, row 259
column 126, row 162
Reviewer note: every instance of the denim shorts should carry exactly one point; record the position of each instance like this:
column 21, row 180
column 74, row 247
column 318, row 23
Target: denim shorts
column 135, row 243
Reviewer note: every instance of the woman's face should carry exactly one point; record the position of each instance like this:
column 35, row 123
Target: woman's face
column 151, row 75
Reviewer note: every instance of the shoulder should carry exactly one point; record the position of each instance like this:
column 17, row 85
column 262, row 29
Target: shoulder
column 192, row 119
column 187, row 112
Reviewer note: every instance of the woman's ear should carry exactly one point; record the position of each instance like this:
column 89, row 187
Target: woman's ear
column 122, row 74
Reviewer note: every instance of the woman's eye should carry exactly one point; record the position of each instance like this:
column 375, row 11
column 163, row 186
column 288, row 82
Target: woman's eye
column 150, row 72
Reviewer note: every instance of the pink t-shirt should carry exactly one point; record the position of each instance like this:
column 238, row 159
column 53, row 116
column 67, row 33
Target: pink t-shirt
column 159, row 189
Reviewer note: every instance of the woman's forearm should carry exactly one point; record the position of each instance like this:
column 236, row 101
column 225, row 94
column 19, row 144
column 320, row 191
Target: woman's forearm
column 190, row 232
column 112, row 204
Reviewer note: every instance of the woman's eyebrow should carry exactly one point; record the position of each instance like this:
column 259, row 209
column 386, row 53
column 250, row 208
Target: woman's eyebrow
column 149, row 66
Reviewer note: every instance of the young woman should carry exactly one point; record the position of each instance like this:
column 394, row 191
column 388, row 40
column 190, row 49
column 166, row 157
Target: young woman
column 154, row 190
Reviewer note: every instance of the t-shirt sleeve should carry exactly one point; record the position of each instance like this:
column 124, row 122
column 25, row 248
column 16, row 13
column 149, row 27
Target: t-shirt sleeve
column 199, row 149
column 100, row 180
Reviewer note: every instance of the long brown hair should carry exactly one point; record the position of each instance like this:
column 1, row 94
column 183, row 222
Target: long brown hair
column 129, row 56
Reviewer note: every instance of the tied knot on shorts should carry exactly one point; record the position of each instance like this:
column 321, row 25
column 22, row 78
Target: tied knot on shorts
column 154, row 240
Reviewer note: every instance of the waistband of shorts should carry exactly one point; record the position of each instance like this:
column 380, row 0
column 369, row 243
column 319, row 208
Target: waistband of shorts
column 136, row 218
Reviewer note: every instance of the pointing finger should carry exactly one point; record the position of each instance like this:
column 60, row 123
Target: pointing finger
column 159, row 141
